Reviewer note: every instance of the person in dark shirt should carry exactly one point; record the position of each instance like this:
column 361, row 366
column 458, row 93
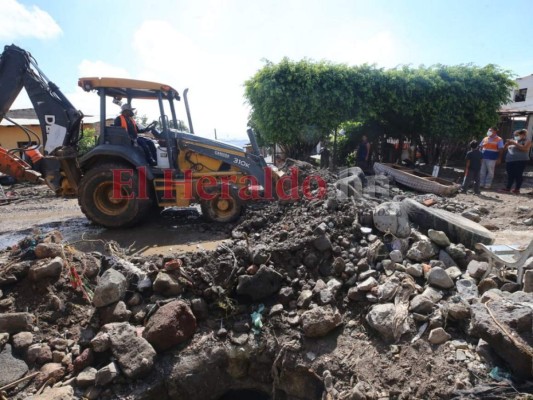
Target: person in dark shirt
column 363, row 154
column 126, row 121
column 472, row 168
column 324, row 157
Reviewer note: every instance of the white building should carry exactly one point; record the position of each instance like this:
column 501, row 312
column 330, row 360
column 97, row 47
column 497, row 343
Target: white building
column 518, row 113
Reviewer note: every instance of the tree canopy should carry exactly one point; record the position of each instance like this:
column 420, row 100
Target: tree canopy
column 297, row 103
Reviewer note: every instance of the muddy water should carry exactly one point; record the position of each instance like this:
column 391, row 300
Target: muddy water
column 175, row 231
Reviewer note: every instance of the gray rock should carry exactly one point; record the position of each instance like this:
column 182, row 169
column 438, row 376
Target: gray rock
column 415, row 270
column 456, row 251
column 471, row 215
column 4, row 338
column 454, row 272
column 56, row 393
column 322, row 243
column 467, row 289
column 264, row 283
column 111, row 288
column 16, row 322
column 476, row 269
column 439, row 238
column 106, row 374
column 439, row 278
column 319, row 321
column 491, row 295
column 487, row 284
column 396, row 256
column 382, row 318
column 11, row 368
column 458, row 310
column 438, row 336
column 421, row 304
column 446, row 259
column 260, row 254
column 117, row 312
column 276, row 310
column 326, row 296
column 46, row 270
column 389, row 217
column 433, row 294
column 101, row 342
column 388, row 290
column 422, row 250
column 199, row 309
column 86, row 377
column 39, row 353
column 167, row 284
column 304, row 299
column 133, row 353
column 367, row 284
column 528, row 281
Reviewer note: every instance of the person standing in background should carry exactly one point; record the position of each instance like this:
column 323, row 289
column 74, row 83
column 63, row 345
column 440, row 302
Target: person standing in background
column 363, row 153
column 472, row 168
column 516, row 159
column 492, row 150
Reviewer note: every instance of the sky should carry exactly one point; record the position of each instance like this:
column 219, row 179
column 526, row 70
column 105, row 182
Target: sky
column 213, row 46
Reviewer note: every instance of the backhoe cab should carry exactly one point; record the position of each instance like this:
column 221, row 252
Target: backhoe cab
column 115, row 185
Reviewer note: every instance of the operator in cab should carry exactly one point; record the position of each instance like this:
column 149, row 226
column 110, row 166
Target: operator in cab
column 126, row 121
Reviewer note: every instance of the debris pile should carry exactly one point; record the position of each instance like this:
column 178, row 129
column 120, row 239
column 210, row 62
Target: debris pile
column 344, row 297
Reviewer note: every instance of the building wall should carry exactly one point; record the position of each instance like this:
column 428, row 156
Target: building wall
column 11, row 135
column 525, row 84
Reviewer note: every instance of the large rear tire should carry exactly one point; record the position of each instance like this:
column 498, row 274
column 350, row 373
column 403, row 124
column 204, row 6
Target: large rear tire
column 109, row 203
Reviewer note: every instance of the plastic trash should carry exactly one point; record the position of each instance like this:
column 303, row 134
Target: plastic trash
column 499, row 374
column 257, row 323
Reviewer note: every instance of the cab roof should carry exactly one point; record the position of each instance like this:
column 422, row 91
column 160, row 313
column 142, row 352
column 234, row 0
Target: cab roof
column 128, row 88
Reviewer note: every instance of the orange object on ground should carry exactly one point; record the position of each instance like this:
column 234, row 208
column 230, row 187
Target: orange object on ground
column 13, row 166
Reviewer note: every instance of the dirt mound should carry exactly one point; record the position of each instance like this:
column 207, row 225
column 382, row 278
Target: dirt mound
column 307, row 300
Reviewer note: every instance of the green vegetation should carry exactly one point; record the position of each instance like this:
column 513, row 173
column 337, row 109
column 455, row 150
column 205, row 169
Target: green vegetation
column 297, row 104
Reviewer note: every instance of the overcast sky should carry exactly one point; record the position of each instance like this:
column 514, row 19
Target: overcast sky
column 213, row 46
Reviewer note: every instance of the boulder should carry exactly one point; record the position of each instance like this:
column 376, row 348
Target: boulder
column 264, row 283
column 172, row 324
column 133, row 353
column 11, row 368
column 319, row 321
column 111, row 288
column 16, row 322
column 389, row 217
column 382, row 318
column 47, row 270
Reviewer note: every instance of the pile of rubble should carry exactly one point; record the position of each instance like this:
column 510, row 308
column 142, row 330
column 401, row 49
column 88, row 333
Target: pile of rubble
column 344, row 297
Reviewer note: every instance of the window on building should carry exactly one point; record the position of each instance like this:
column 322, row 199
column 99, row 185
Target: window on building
column 520, row 95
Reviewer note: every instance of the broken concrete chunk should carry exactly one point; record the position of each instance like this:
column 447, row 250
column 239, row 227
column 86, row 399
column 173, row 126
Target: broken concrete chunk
column 111, row 288
column 320, row 321
column 16, row 322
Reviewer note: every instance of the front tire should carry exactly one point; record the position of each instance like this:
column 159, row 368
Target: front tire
column 111, row 203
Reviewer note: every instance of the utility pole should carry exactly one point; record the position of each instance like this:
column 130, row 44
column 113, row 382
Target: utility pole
column 216, row 134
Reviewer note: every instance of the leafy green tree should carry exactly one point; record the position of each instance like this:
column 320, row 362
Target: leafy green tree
column 87, row 141
column 296, row 104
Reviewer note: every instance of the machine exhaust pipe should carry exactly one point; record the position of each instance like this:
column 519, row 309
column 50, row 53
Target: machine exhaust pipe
column 189, row 119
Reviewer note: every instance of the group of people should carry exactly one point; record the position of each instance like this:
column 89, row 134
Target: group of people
column 483, row 157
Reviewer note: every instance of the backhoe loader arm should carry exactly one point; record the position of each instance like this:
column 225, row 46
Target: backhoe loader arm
column 60, row 121
column 13, row 166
